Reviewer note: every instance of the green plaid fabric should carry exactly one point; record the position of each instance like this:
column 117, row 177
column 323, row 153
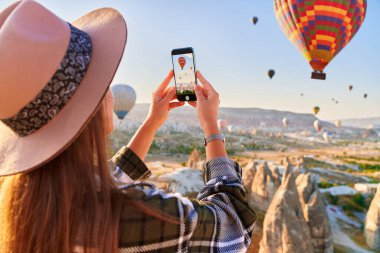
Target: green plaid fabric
column 218, row 220
column 126, row 161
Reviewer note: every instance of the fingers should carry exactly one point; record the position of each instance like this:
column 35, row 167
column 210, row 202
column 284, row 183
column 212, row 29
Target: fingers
column 205, row 83
column 170, row 94
column 165, row 83
column 173, row 105
column 199, row 93
column 192, row 103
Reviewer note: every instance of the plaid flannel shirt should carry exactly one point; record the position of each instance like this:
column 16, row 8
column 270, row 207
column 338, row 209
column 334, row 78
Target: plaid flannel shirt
column 218, row 220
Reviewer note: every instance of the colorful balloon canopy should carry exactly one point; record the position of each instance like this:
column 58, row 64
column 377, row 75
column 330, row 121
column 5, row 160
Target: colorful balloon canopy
column 255, row 20
column 316, row 109
column 124, row 99
column 320, row 29
column 182, row 62
column 271, row 73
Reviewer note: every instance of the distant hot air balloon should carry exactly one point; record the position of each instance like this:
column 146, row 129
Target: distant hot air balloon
column 271, row 73
column 231, row 128
column 285, row 122
column 336, row 102
column 333, row 99
column 320, row 29
column 222, row 123
column 350, row 87
column 316, row 109
column 301, row 94
column 124, row 99
column 338, row 123
column 365, row 95
column 182, row 62
column 327, row 136
column 317, row 125
column 254, row 20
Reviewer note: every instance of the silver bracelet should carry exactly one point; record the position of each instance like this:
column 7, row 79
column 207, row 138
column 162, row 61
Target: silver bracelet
column 213, row 137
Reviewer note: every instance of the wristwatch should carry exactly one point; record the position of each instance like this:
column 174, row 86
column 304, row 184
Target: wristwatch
column 213, row 137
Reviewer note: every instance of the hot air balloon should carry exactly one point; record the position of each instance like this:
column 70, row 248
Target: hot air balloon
column 350, row 87
column 301, row 94
column 320, row 29
column 365, row 95
column 316, row 109
column 222, row 123
column 124, row 99
column 271, row 73
column 231, row 128
column 317, row 125
column 327, row 136
column 254, row 20
column 338, row 123
column 182, row 62
column 285, row 122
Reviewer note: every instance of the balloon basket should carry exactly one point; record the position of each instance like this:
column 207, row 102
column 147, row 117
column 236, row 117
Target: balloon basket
column 318, row 75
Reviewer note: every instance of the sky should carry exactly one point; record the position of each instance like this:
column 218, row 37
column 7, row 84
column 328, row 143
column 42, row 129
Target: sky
column 235, row 56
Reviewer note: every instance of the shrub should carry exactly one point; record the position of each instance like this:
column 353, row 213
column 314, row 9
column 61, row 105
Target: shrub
column 332, row 199
column 359, row 200
column 324, row 184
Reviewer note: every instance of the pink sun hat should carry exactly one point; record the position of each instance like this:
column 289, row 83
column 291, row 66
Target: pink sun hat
column 53, row 78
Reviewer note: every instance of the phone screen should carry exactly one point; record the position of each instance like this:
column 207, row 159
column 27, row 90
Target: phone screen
column 184, row 75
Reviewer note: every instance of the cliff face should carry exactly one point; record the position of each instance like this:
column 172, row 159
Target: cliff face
column 285, row 228
column 249, row 173
column 372, row 223
column 195, row 160
column 264, row 186
column 315, row 213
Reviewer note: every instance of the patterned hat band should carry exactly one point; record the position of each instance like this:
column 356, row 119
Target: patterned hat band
column 58, row 90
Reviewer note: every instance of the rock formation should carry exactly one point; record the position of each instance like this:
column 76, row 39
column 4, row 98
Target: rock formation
column 287, row 171
column 314, row 211
column 299, row 169
column 249, row 173
column 276, row 175
column 284, row 228
column 263, row 187
column 372, row 222
column 195, row 160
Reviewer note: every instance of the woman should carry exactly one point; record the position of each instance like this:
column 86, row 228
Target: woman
column 57, row 192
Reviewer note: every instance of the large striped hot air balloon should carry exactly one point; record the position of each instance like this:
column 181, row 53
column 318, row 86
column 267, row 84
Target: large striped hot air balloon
column 320, row 29
column 124, row 99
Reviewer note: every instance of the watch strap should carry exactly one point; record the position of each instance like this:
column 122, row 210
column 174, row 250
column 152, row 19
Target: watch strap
column 212, row 138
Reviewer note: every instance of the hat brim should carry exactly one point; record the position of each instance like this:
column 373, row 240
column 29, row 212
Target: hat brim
column 108, row 32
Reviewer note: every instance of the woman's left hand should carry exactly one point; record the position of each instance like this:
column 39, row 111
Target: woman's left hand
column 162, row 102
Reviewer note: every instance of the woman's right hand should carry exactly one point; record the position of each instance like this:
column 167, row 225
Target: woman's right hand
column 207, row 105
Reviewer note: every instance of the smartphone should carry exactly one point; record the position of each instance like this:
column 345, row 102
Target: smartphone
column 184, row 73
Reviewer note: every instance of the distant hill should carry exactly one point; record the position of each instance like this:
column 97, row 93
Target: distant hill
column 363, row 123
column 247, row 118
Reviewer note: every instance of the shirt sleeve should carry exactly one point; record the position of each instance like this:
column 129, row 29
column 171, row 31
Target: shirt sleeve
column 127, row 167
column 218, row 220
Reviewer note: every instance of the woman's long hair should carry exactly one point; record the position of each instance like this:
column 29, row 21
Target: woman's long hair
column 69, row 204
